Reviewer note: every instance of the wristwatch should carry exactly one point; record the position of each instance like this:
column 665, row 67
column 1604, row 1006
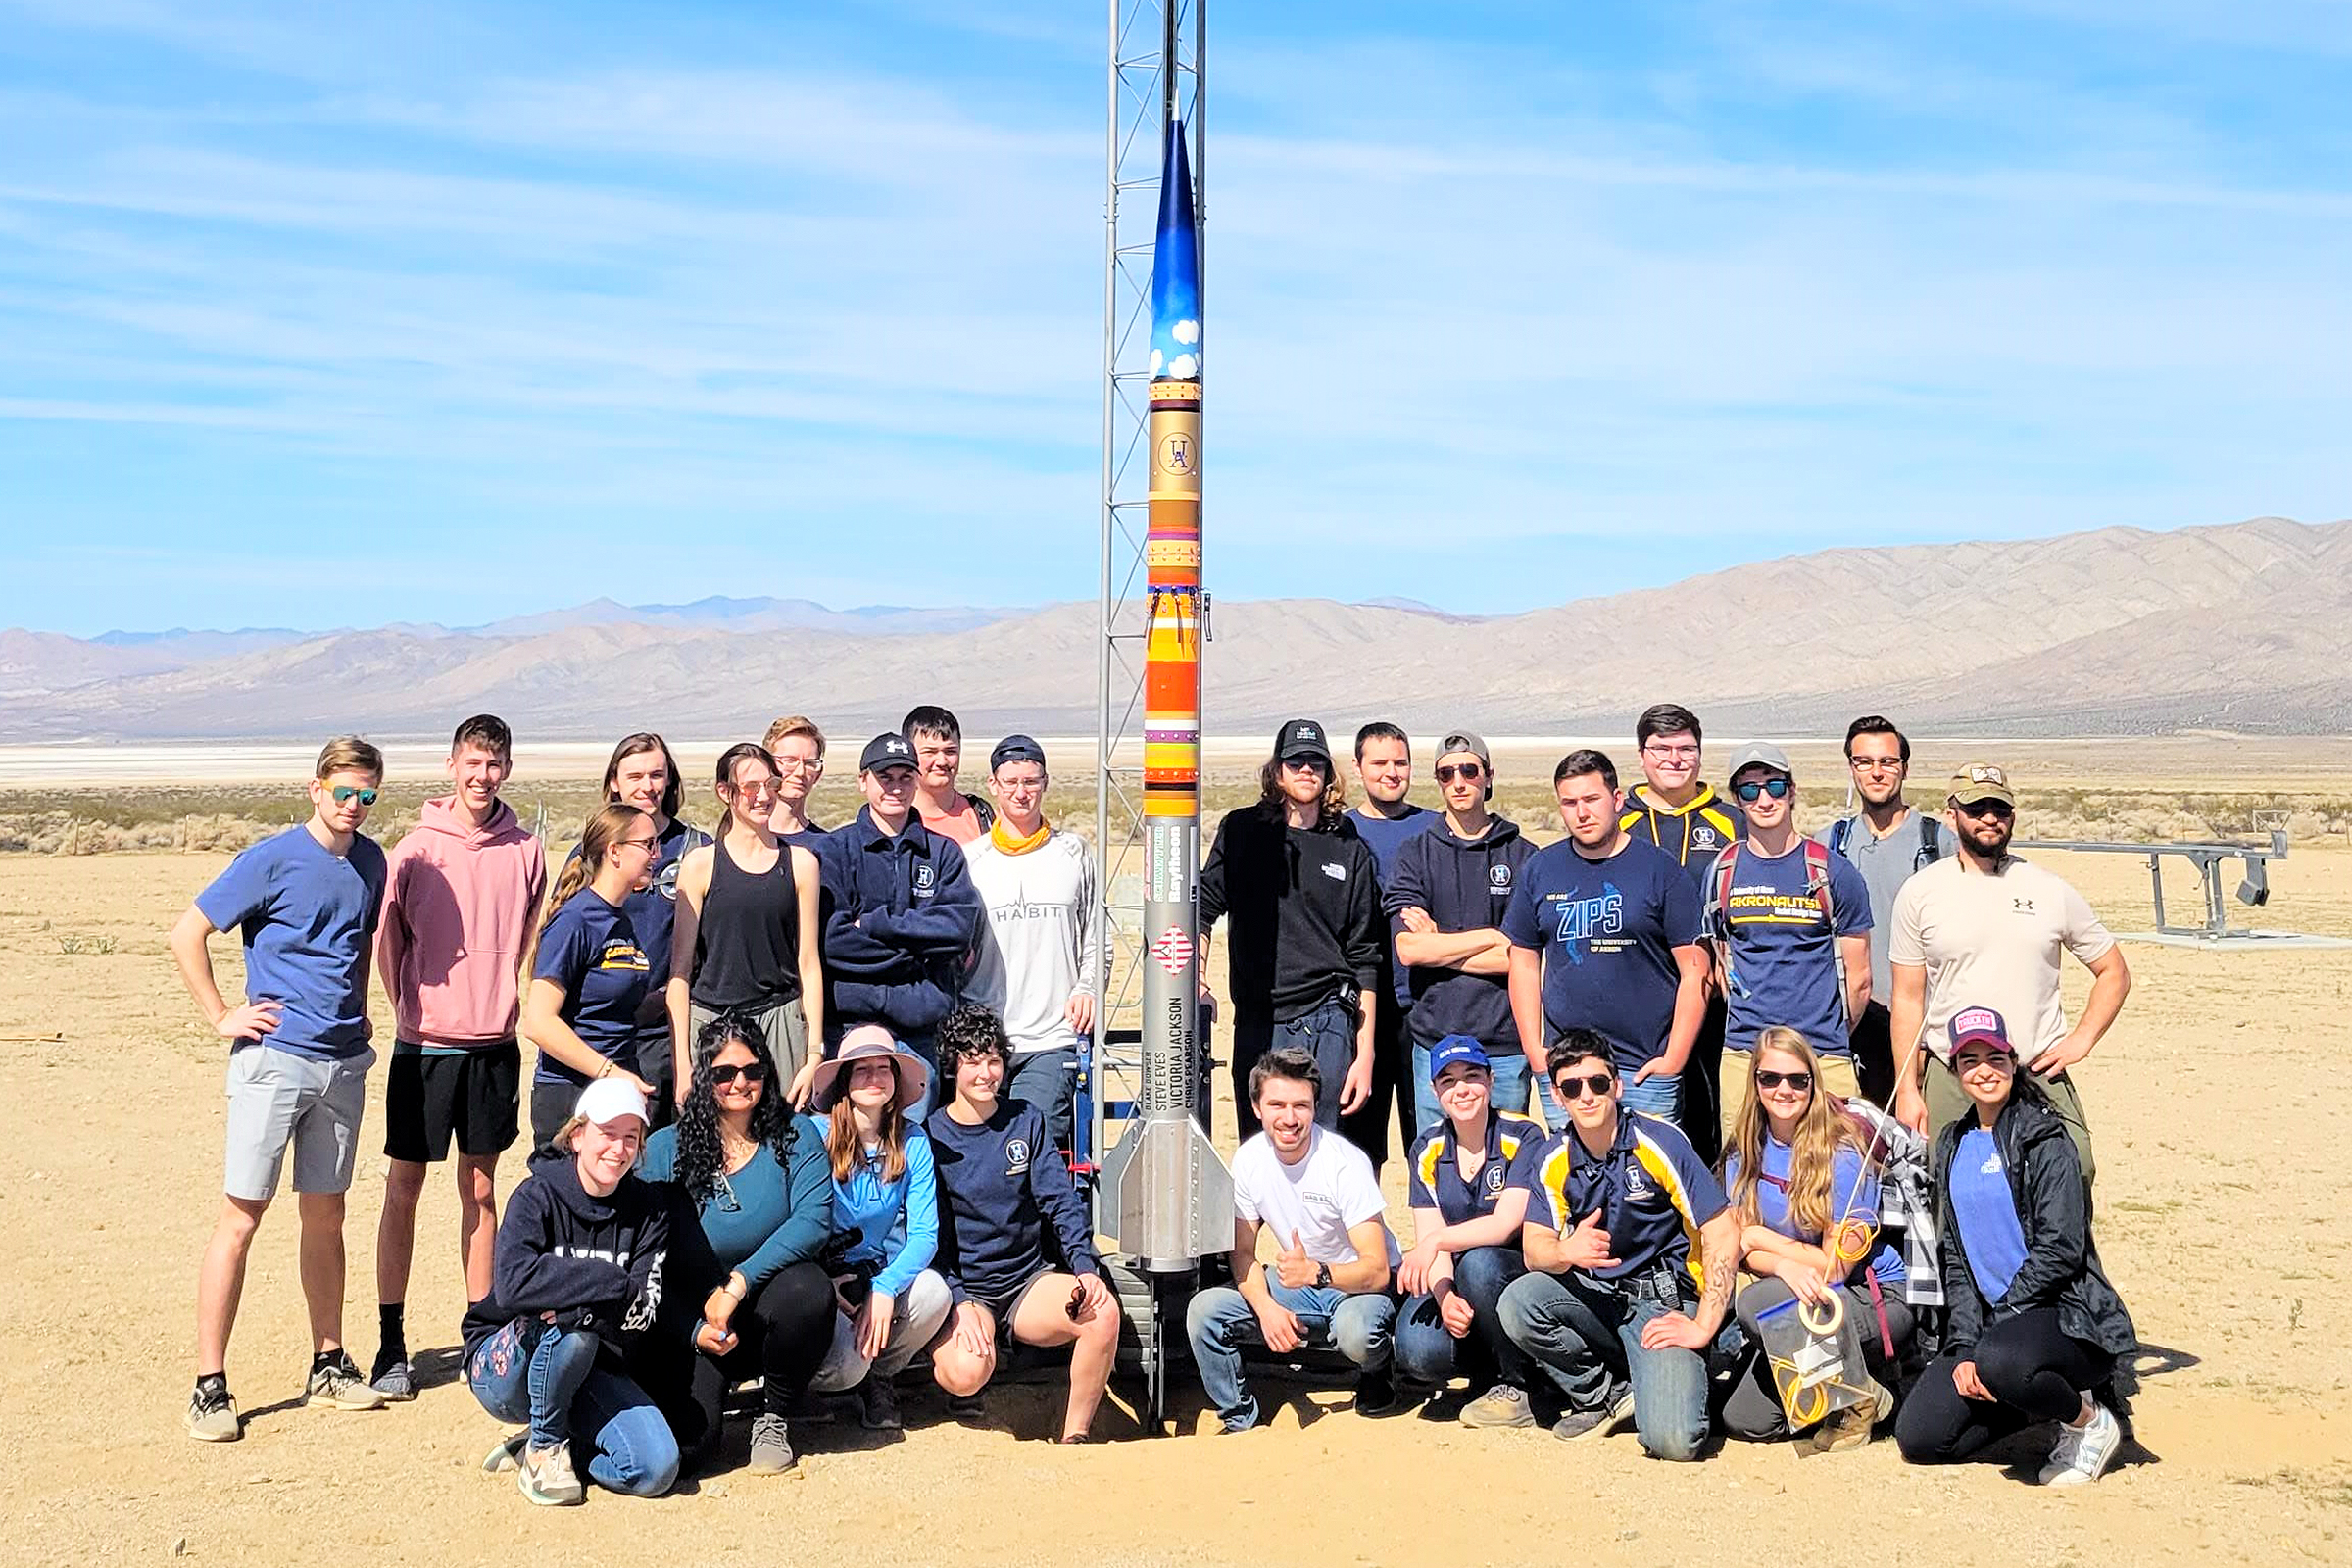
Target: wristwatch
column 1323, row 1276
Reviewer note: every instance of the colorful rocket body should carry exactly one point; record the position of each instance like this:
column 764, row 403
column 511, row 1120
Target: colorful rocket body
column 1174, row 1196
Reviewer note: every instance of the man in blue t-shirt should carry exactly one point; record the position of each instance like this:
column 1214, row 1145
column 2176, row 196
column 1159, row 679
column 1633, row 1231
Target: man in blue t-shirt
column 1785, row 915
column 1605, row 935
column 304, row 903
column 1632, row 1249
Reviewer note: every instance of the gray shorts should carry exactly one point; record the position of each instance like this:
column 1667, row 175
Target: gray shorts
column 276, row 1098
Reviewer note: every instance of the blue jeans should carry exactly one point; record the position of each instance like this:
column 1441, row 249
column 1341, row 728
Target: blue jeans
column 533, row 1372
column 1049, row 1080
column 1586, row 1335
column 1328, row 1034
column 1427, row 1350
column 1221, row 1321
column 1660, row 1094
column 1510, row 1086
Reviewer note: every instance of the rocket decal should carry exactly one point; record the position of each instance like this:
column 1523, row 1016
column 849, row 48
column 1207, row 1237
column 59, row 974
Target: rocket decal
column 1172, row 538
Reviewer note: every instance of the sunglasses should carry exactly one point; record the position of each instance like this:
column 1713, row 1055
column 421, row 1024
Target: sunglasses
column 726, row 1072
column 1470, row 772
column 1597, row 1086
column 1802, row 1082
column 1780, row 789
column 1077, row 1302
column 343, row 793
column 1984, row 807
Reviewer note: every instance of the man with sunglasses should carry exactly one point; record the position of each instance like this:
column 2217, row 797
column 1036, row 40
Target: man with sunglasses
column 304, row 902
column 1614, row 1308
column 1447, row 891
column 1786, row 915
column 1986, row 928
column 1886, row 839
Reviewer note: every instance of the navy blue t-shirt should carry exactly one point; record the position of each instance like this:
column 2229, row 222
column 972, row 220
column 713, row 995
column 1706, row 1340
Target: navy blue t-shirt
column 1436, row 1169
column 1783, row 955
column 1607, row 930
column 307, row 916
column 590, row 949
column 1383, row 837
column 1001, row 1184
column 1651, row 1190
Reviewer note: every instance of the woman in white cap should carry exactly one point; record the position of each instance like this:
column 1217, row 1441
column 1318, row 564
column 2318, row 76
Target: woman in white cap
column 885, row 1220
column 2035, row 1329
column 578, row 1272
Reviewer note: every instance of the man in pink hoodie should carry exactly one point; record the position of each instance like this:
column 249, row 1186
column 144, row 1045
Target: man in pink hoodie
column 461, row 901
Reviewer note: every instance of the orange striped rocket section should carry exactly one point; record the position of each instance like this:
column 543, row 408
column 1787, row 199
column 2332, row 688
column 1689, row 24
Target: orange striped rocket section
column 1172, row 631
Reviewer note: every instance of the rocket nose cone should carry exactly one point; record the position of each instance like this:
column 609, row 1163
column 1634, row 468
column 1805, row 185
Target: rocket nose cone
column 1176, row 269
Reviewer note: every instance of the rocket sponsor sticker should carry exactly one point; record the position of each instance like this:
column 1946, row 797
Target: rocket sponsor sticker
column 1173, row 951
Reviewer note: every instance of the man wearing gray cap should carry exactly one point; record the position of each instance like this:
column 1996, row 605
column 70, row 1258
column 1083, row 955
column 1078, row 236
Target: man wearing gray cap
column 1785, row 914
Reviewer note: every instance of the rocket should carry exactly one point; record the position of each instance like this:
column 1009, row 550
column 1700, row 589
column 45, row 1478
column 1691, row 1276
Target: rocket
column 1174, row 1198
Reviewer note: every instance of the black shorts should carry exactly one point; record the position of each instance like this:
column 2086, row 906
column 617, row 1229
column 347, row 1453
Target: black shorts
column 472, row 1094
column 1000, row 1307
column 551, row 1108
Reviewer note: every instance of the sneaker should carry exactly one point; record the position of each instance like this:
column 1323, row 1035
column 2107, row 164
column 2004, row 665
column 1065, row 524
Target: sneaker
column 337, row 1385
column 506, row 1454
column 1575, row 1425
column 771, row 1446
column 878, row 1405
column 546, row 1477
column 213, row 1416
column 1850, row 1428
column 395, row 1379
column 1502, row 1406
column 2090, row 1448
column 1376, row 1394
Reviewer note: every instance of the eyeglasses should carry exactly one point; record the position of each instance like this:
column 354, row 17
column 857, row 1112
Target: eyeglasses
column 757, row 787
column 799, row 764
column 1597, row 1086
column 344, row 793
column 1468, row 772
column 651, row 845
column 1875, row 765
column 750, row 1072
column 1780, row 789
column 1802, row 1082
column 1984, row 807
column 1673, row 753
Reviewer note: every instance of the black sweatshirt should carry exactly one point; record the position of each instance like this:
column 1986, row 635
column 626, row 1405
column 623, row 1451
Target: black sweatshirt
column 594, row 1262
column 1462, row 884
column 1305, row 907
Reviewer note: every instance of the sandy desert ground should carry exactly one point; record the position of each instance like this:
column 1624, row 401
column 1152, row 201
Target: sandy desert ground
column 2226, row 1146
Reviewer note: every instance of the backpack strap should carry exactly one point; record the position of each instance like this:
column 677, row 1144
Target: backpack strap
column 1841, row 833
column 1817, row 881
column 1930, row 843
column 1719, row 899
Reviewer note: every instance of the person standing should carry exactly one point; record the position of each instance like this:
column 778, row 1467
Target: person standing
column 1605, row 936
column 746, row 929
column 588, row 976
column 945, row 806
column 1038, row 966
column 1307, row 931
column 460, row 905
column 798, row 748
column 1886, row 839
column 1791, row 923
column 642, row 773
column 1986, row 928
column 304, row 904
column 1386, row 821
column 1448, row 892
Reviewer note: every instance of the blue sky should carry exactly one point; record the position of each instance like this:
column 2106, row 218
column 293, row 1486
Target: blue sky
column 323, row 316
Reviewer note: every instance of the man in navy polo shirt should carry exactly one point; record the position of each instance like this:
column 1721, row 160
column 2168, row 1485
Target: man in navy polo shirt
column 1615, row 1308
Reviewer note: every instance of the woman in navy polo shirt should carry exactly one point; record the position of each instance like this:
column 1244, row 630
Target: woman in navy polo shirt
column 1467, row 1215
column 589, row 979
column 1802, row 1182
column 2035, row 1329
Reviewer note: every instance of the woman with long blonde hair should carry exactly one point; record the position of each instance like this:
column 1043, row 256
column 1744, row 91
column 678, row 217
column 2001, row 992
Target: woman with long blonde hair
column 1799, row 1174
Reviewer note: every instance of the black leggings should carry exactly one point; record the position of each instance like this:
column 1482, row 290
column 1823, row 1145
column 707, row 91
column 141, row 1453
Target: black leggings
column 2035, row 1371
column 782, row 1331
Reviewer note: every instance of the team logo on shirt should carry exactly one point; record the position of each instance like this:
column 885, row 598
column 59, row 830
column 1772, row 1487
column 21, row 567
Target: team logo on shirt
column 1491, row 1177
column 666, row 880
column 2021, row 906
column 923, row 878
column 1498, row 877
column 1017, row 1156
column 1704, row 838
column 1583, row 919
column 621, row 954
column 1637, row 1184
column 1335, row 871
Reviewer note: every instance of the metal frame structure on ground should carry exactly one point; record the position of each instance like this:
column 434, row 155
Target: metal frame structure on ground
column 2253, row 889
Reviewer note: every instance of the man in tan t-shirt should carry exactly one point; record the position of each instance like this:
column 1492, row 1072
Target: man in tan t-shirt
column 1986, row 929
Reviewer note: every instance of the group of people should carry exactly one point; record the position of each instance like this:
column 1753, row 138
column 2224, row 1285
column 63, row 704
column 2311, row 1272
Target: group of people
column 800, row 1097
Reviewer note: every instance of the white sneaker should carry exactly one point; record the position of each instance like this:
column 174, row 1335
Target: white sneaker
column 2089, row 1449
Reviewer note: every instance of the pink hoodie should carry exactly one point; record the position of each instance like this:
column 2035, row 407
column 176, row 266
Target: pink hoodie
column 459, row 903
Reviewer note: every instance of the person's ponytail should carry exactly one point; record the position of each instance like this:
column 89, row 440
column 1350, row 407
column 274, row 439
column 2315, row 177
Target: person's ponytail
column 606, row 826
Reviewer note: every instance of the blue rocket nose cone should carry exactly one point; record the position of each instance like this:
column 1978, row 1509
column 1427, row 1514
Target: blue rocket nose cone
column 1176, row 270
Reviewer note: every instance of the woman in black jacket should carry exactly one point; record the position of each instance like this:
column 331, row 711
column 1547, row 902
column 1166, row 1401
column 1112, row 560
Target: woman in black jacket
column 578, row 1268
column 2036, row 1328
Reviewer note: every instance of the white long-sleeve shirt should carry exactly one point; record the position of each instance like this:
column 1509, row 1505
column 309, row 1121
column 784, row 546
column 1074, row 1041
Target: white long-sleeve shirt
column 1037, row 939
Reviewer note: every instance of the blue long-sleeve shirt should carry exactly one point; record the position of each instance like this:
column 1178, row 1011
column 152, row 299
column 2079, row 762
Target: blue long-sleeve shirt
column 1001, row 1184
column 903, row 917
column 764, row 1217
column 896, row 1223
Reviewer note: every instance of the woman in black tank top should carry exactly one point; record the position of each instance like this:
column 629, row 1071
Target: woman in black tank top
column 748, row 939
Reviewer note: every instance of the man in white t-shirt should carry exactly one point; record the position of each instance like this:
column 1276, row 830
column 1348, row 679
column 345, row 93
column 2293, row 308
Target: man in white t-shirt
column 1329, row 1284
column 1984, row 928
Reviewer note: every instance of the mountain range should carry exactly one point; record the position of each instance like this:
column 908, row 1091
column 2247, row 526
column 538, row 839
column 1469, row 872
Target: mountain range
column 2122, row 631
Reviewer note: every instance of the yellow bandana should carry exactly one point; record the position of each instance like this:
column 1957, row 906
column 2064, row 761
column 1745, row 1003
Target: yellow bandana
column 1003, row 839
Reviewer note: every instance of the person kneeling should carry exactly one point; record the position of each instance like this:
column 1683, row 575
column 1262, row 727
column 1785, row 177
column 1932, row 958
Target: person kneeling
column 1467, row 1217
column 2035, row 1329
column 1614, row 1308
column 1807, row 1200
column 577, row 1273
column 1330, row 1286
column 1001, row 1182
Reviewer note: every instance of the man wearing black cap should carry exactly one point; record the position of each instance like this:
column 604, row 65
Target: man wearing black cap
column 904, row 913
column 1307, row 929
column 1037, row 968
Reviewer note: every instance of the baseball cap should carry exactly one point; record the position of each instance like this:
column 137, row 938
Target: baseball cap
column 1462, row 740
column 886, row 751
column 1979, row 1024
column 1302, row 738
column 1015, row 749
column 1759, row 754
column 1983, row 781
column 1456, row 1048
column 606, row 1101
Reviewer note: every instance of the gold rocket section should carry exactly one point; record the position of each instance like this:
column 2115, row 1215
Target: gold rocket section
column 1172, row 636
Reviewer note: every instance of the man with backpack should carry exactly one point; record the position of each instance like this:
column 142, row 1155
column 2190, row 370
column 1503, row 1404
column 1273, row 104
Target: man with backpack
column 1887, row 840
column 1786, row 914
